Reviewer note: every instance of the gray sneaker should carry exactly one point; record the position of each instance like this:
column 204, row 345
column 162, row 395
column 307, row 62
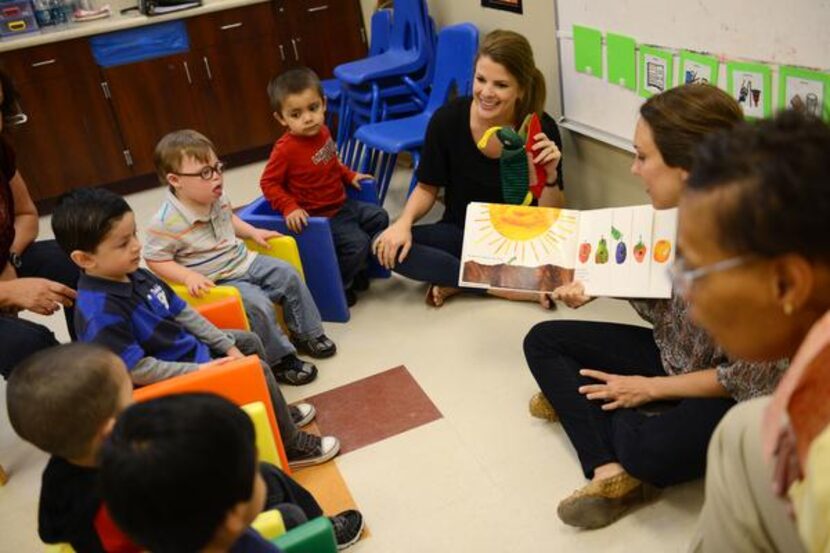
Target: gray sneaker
column 348, row 526
column 302, row 414
column 310, row 449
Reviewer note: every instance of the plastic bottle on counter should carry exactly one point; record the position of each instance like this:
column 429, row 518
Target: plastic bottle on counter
column 42, row 13
column 56, row 8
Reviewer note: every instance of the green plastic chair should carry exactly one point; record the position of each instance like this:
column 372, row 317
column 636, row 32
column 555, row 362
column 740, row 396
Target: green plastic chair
column 315, row 536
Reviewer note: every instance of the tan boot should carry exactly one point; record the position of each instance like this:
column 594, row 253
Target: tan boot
column 601, row 502
column 541, row 408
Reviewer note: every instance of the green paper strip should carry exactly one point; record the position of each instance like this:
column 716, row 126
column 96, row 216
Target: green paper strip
column 622, row 60
column 656, row 70
column 808, row 90
column 751, row 85
column 698, row 68
column 588, row 50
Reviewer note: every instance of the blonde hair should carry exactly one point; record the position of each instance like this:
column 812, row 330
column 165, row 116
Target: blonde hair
column 513, row 51
column 175, row 146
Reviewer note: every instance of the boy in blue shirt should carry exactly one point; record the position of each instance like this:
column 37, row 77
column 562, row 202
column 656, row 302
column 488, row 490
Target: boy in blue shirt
column 137, row 316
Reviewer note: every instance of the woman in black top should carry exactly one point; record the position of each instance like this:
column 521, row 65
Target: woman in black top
column 34, row 276
column 507, row 88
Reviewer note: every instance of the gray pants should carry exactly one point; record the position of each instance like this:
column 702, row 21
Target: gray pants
column 269, row 281
column 250, row 344
column 741, row 513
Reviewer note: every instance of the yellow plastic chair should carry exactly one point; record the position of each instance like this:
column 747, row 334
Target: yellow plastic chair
column 269, row 524
column 282, row 247
column 264, row 437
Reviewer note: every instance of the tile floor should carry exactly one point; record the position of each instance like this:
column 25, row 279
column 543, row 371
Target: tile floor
column 481, row 477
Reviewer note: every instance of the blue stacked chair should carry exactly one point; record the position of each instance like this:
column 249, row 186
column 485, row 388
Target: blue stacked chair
column 456, row 51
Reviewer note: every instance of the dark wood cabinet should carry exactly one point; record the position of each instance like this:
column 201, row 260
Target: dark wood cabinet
column 91, row 126
column 70, row 139
column 236, row 54
column 152, row 98
column 324, row 33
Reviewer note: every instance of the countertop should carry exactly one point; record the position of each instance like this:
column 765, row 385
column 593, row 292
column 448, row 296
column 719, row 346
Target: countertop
column 115, row 22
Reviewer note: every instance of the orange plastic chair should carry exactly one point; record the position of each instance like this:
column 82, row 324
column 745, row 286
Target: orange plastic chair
column 226, row 313
column 240, row 381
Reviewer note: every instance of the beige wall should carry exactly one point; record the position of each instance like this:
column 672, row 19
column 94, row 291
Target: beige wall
column 596, row 175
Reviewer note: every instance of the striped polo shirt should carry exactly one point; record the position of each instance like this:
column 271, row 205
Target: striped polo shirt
column 135, row 319
column 205, row 243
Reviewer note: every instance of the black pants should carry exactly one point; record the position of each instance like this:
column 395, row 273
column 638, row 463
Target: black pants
column 353, row 228
column 20, row 338
column 45, row 259
column 292, row 500
column 665, row 448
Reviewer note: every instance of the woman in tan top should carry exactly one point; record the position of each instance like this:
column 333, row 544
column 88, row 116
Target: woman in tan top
column 596, row 376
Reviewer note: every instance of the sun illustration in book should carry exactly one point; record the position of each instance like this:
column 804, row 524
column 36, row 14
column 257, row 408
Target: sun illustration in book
column 525, row 234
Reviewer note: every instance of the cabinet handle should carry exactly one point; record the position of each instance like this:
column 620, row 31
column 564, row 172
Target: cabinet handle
column 106, row 88
column 128, row 158
column 294, row 42
column 207, row 67
column 363, row 35
column 230, row 26
column 17, row 119
column 282, row 53
column 318, row 8
column 44, row 62
column 187, row 72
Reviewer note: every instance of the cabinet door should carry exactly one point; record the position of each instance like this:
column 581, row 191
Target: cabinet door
column 236, row 54
column 70, row 138
column 152, row 98
column 325, row 33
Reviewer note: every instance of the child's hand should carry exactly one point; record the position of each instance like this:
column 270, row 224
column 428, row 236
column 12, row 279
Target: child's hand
column 235, row 353
column 261, row 236
column 296, row 220
column 215, row 362
column 359, row 177
column 197, row 284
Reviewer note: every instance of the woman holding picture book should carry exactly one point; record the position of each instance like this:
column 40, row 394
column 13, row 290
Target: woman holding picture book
column 640, row 404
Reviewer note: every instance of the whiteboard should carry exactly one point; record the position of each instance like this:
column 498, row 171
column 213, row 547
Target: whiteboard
column 777, row 32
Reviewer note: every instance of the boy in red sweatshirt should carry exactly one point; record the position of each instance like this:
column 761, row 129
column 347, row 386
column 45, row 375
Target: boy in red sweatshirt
column 305, row 178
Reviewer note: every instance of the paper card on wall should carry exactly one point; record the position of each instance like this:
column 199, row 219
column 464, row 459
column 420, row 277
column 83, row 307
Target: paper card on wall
column 588, row 50
column 656, row 70
column 622, row 60
column 535, row 248
column 804, row 90
column 698, row 68
column 751, row 85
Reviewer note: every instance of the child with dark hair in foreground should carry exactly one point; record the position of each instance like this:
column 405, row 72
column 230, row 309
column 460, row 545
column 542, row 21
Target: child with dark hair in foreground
column 65, row 400
column 179, row 473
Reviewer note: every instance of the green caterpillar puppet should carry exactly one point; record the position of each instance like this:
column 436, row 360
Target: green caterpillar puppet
column 519, row 184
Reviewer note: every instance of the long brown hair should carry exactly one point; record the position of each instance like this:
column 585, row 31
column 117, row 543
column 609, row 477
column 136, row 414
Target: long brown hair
column 680, row 117
column 513, row 51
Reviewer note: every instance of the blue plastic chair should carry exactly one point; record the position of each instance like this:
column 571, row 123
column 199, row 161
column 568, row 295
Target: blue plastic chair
column 317, row 252
column 381, row 26
column 410, row 48
column 457, row 47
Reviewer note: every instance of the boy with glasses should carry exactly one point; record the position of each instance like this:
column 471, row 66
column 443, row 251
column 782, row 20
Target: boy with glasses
column 195, row 239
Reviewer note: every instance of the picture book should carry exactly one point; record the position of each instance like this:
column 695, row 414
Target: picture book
column 620, row 252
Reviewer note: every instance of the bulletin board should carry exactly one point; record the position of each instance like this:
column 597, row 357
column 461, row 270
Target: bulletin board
column 774, row 32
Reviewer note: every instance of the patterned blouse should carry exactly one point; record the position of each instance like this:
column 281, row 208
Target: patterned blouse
column 685, row 347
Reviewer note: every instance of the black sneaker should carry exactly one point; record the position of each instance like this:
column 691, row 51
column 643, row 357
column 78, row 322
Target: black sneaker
column 348, row 526
column 302, row 414
column 293, row 370
column 310, row 449
column 320, row 347
column 361, row 281
column 351, row 297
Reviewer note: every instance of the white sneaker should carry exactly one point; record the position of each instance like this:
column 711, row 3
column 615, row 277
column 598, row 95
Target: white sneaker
column 310, row 449
column 302, row 414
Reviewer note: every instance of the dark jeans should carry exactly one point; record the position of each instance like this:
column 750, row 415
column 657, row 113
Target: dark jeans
column 663, row 448
column 353, row 229
column 22, row 338
column 45, row 259
column 292, row 500
column 435, row 256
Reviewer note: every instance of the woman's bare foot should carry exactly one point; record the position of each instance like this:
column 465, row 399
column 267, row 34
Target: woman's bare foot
column 437, row 295
column 542, row 298
column 607, row 470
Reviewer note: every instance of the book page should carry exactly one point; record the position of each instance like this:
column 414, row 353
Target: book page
column 664, row 236
column 594, row 259
column 516, row 247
